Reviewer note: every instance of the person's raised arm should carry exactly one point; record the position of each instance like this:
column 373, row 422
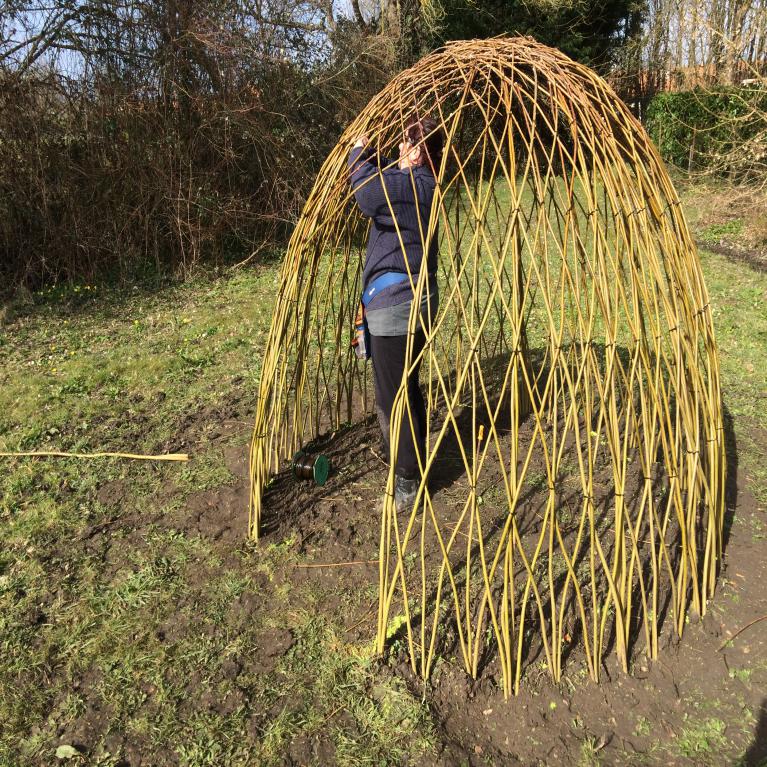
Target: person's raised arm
column 367, row 180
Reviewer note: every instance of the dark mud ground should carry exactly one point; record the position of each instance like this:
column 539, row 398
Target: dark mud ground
column 692, row 686
column 699, row 703
column 756, row 259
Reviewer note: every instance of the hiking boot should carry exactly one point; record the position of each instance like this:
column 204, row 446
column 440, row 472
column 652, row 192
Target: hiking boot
column 405, row 491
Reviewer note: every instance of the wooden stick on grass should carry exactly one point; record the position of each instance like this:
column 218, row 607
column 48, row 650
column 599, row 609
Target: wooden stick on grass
column 132, row 456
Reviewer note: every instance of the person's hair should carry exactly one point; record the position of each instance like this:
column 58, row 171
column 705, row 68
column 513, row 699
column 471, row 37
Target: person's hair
column 427, row 134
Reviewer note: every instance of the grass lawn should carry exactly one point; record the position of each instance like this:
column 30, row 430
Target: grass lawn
column 130, row 636
column 141, row 625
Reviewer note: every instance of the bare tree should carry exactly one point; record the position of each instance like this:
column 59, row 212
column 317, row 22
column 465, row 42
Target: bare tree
column 170, row 132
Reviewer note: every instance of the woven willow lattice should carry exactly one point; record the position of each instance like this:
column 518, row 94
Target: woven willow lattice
column 574, row 470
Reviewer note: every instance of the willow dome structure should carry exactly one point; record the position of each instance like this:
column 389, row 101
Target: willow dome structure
column 573, row 481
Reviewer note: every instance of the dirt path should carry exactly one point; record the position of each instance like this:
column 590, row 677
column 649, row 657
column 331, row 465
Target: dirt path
column 754, row 258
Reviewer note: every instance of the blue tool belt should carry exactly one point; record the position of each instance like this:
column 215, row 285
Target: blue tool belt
column 385, row 280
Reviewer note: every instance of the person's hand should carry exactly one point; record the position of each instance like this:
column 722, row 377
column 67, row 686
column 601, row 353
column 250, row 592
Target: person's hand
column 361, row 142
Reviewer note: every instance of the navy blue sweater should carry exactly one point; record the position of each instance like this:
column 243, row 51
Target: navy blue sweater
column 384, row 251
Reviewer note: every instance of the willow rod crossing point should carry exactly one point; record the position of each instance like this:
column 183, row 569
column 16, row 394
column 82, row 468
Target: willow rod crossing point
column 570, row 372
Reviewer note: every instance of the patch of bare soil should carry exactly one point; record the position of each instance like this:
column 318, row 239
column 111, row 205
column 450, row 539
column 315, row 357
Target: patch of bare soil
column 652, row 716
column 220, row 514
column 756, row 259
column 212, row 423
column 680, row 709
column 695, row 681
column 730, row 221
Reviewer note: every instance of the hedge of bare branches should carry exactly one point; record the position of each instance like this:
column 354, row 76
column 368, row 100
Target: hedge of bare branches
column 148, row 138
column 153, row 135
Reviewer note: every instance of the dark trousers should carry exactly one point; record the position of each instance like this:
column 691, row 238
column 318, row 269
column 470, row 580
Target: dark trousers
column 388, row 355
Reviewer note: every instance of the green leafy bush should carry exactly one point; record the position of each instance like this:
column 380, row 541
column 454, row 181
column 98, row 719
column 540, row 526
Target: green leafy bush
column 709, row 129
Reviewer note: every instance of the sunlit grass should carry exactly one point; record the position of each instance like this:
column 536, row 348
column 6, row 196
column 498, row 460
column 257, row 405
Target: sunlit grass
column 122, row 371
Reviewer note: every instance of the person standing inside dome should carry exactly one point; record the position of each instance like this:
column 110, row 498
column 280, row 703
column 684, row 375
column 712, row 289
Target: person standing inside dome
column 398, row 197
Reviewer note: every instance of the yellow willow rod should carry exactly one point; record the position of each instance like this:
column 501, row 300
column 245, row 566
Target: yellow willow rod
column 398, row 569
column 131, row 456
column 563, row 244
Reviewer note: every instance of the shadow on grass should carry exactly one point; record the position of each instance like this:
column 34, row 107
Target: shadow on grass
column 756, row 756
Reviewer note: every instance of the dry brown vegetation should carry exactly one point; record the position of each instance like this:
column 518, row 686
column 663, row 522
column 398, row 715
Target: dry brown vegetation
column 152, row 137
